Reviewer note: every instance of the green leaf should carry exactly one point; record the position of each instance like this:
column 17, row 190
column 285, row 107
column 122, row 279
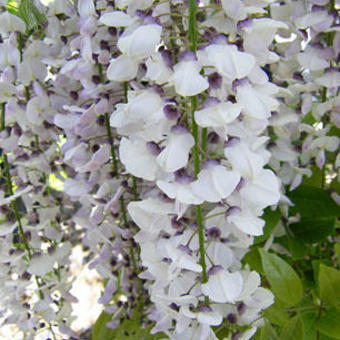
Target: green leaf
column 328, row 322
column 309, row 320
column 312, row 202
column 271, row 219
column 276, row 313
column 316, row 179
column 253, row 259
column 334, row 131
column 316, row 268
column 318, row 212
column 329, row 285
column 100, row 331
column 268, row 332
column 222, row 331
column 335, row 185
column 312, row 230
column 295, row 246
column 284, row 281
column 337, row 250
column 12, row 6
column 308, row 118
column 30, row 14
column 293, row 329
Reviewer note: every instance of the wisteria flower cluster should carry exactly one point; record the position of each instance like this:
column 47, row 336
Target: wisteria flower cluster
column 195, row 149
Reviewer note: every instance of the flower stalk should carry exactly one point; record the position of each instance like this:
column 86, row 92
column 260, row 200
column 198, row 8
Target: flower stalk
column 196, row 154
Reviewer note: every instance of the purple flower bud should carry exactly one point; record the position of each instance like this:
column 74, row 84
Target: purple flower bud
column 271, row 145
column 236, row 335
column 153, row 148
column 214, row 270
column 213, row 137
column 210, row 101
column 214, row 232
column 215, row 80
column 194, row 226
column 185, row 249
column 220, row 39
column 74, row 95
column 232, row 211
column 231, row 317
column 174, row 307
column 112, row 31
column 182, row 177
column 4, row 209
column 210, row 33
column 239, row 82
column 210, row 163
column 232, row 141
column 149, row 19
column 96, row 79
column 23, row 157
column 204, row 309
column 171, row 112
column 167, row 58
column 241, row 184
column 297, row 76
column 157, row 89
column 100, row 120
column 244, row 23
column 166, row 260
column 164, row 198
column 126, row 234
column 187, row 56
column 241, row 308
column 179, row 129
column 175, row 223
column 317, row 45
column 317, row 8
column 141, row 14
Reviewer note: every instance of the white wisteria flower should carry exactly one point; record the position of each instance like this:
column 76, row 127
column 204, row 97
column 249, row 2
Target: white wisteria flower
column 137, row 158
column 135, row 46
column 116, row 19
column 215, row 114
column 215, row 182
column 229, row 62
column 223, row 287
column 176, row 153
column 187, row 78
column 257, row 100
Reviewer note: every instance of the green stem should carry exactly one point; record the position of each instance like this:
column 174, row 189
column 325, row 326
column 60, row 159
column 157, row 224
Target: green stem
column 204, row 139
column 109, row 134
column 318, row 317
column 100, row 71
column 196, row 154
column 123, row 210
column 27, row 93
column 194, row 130
column 121, row 201
column 134, row 188
column 192, row 26
column 323, row 93
column 2, row 119
column 20, row 45
column 11, row 191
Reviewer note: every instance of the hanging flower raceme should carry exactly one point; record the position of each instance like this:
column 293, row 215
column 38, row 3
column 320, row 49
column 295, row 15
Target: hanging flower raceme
column 155, row 134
